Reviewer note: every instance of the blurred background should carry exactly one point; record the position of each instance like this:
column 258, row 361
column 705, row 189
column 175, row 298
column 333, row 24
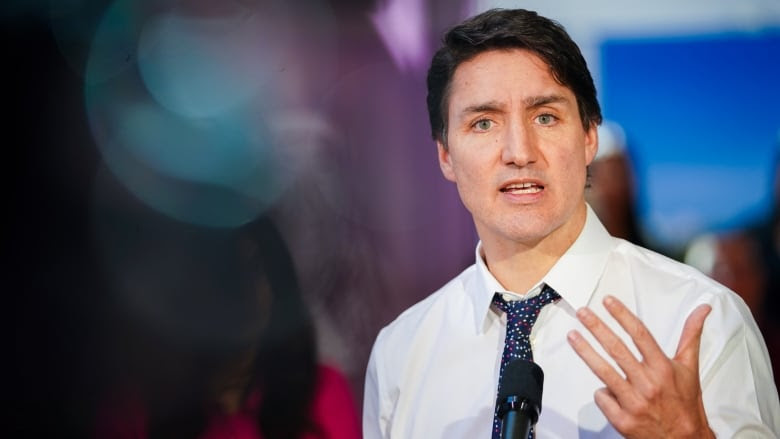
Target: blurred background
column 211, row 114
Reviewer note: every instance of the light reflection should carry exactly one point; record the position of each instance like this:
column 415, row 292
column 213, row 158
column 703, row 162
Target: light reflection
column 184, row 100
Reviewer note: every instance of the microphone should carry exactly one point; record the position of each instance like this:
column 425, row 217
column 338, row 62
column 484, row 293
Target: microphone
column 520, row 399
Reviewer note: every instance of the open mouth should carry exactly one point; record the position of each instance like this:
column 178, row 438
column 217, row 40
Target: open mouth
column 522, row 188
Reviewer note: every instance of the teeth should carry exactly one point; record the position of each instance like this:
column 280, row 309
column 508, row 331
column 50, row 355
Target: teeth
column 523, row 188
column 520, row 186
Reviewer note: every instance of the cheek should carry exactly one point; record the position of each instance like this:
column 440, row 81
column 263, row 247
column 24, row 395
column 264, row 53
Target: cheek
column 465, row 164
column 574, row 163
column 466, row 180
column 470, row 178
column 574, row 173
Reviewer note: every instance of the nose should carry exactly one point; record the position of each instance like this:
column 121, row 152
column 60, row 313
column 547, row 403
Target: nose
column 520, row 146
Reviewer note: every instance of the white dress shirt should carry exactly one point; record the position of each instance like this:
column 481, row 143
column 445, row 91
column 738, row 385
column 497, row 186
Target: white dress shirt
column 433, row 371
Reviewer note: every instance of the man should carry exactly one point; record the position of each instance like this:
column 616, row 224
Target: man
column 624, row 347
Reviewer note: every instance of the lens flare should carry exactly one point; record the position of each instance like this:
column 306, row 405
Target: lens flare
column 184, row 101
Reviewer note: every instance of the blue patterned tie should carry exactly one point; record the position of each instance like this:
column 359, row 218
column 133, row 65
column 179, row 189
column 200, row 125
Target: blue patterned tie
column 520, row 318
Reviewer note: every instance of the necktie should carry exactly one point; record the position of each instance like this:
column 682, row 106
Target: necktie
column 520, row 318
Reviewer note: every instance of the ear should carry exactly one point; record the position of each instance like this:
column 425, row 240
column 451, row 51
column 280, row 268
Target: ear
column 445, row 161
column 591, row 143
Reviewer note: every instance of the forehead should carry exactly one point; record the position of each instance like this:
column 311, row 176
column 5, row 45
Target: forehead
column 503, row 74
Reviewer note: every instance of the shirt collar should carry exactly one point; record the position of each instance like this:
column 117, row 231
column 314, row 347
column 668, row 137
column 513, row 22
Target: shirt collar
column 574, row 276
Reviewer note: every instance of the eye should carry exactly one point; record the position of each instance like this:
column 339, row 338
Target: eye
column 546, row 119
column 483, row 124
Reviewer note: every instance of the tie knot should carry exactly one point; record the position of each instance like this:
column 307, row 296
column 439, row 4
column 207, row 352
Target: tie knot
column 527, row 309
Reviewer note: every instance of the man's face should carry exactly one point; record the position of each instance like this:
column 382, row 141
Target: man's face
column 516, row 149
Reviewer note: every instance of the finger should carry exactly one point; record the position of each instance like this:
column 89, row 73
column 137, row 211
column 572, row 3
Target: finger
column 603, row 370
column 690, row 340
column 615, row 414
column 612, row 344
column 640, row 335
column 608, row 404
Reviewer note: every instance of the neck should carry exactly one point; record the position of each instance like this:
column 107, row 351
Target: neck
column 518, row 266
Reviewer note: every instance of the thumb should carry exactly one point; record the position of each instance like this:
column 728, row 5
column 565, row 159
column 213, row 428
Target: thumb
column 690, row 340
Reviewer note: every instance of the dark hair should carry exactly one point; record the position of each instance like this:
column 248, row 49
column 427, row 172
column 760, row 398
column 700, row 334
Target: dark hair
column 499, row 29
column 285, row 365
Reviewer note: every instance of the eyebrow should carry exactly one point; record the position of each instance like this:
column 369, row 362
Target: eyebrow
column 540, row 101
column 482, row 107
column 530, row 102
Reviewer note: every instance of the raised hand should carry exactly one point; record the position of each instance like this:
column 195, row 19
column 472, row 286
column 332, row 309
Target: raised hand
column 659, row 397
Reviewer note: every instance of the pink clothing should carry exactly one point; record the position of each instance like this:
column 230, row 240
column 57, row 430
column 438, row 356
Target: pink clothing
column 333, row 410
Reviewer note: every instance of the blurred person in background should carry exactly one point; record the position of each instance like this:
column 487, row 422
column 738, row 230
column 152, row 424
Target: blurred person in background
column 734, row 259
column 207, row 91
column 214, row 339
column 612, row 188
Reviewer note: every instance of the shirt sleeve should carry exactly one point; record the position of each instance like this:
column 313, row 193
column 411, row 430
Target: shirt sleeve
column 738, row 388
column 374, row 420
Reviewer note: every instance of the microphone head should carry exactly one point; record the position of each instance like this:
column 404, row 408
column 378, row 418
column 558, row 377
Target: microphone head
column 523, row 379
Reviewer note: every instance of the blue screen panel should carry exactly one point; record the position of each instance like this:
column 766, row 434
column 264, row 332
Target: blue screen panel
column 702, row 119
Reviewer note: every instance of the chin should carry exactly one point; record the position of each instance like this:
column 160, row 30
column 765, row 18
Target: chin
column 526, row 234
